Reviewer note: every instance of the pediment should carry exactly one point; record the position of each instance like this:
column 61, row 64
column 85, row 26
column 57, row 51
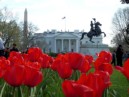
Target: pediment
column 66, row 35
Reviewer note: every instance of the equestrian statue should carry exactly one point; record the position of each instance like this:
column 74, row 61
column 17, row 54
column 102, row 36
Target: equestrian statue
column 94, row 31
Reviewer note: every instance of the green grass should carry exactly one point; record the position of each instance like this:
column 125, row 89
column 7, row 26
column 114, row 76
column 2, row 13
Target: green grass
column 120, row 83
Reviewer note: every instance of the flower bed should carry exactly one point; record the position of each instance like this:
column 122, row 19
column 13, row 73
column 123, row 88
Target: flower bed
column 36, row 74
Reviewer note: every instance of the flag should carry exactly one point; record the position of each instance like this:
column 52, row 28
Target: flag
column 63, row 17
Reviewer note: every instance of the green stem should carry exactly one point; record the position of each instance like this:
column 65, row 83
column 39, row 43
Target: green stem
column 20, row 92
column 2, row 91
column 14, row 95
column 75, row 75
column 105, row 94
column 27, row 92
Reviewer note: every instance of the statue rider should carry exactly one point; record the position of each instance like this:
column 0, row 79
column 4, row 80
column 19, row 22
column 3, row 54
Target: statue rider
column 94, row 30
column 94, row 20
column 93, row 26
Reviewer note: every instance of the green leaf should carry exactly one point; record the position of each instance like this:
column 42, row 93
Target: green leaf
column 113, row 93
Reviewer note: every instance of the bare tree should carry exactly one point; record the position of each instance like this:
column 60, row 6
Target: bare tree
column 124, row 1
column 120, row 23
column 13, row 31
column 30, row 35
column 9, row 27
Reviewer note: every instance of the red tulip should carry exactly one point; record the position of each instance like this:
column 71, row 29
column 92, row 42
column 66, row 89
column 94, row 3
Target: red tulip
column 14, row 75
column 73, row 89
column 4, row 65
column 65, row 63
column 102, row 63
column 16, row 58
column 78, row 62
column 89, row 58
column 34, row 54
column 75, row 60
column 124, row 69
column 97, row 81
column 64, row 70
column 83, row 79
column 57, row 61
column 105, row 67
column 55, row 64
column 107, row 56
column 85, row 67
column 45, row 61
column 32, row 76
column 35, row 65
column 26, row 57
column 62, row 66
column 99, row 61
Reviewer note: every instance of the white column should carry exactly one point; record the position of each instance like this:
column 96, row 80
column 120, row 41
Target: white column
column 55, row 47
column 76, row 45
column 62, row 45
column 69, row 45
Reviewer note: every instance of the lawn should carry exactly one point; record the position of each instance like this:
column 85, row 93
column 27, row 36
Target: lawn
column 51, row 86
column 120, row 84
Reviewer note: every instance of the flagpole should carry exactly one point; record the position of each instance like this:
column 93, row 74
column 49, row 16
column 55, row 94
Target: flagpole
column 64, row 18
column 65, row 24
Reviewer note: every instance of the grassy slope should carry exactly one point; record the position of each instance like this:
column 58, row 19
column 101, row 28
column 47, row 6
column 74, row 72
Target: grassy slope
column 120, row 83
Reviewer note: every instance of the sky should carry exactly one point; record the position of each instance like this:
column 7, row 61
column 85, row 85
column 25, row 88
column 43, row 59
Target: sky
column 48, row 14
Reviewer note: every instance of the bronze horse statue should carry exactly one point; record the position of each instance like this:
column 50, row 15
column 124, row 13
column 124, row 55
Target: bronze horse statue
column 94, row 32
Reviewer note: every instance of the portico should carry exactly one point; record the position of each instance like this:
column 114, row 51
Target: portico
column 66, row 42
column 66, row 45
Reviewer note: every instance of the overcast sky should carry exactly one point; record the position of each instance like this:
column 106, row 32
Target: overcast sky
column 48, row 14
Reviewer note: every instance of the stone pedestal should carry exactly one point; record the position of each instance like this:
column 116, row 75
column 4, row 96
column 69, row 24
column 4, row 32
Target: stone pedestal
column 92, row 49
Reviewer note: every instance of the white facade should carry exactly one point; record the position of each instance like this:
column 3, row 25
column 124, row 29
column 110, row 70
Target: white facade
column 68, row 42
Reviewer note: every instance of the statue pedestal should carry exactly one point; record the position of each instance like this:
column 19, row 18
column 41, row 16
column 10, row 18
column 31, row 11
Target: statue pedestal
column 92, row 49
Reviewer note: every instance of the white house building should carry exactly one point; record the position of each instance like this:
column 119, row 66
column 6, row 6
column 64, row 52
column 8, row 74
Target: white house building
column 57, row 41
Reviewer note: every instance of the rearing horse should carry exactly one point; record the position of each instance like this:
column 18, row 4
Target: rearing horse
column 96, row 32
